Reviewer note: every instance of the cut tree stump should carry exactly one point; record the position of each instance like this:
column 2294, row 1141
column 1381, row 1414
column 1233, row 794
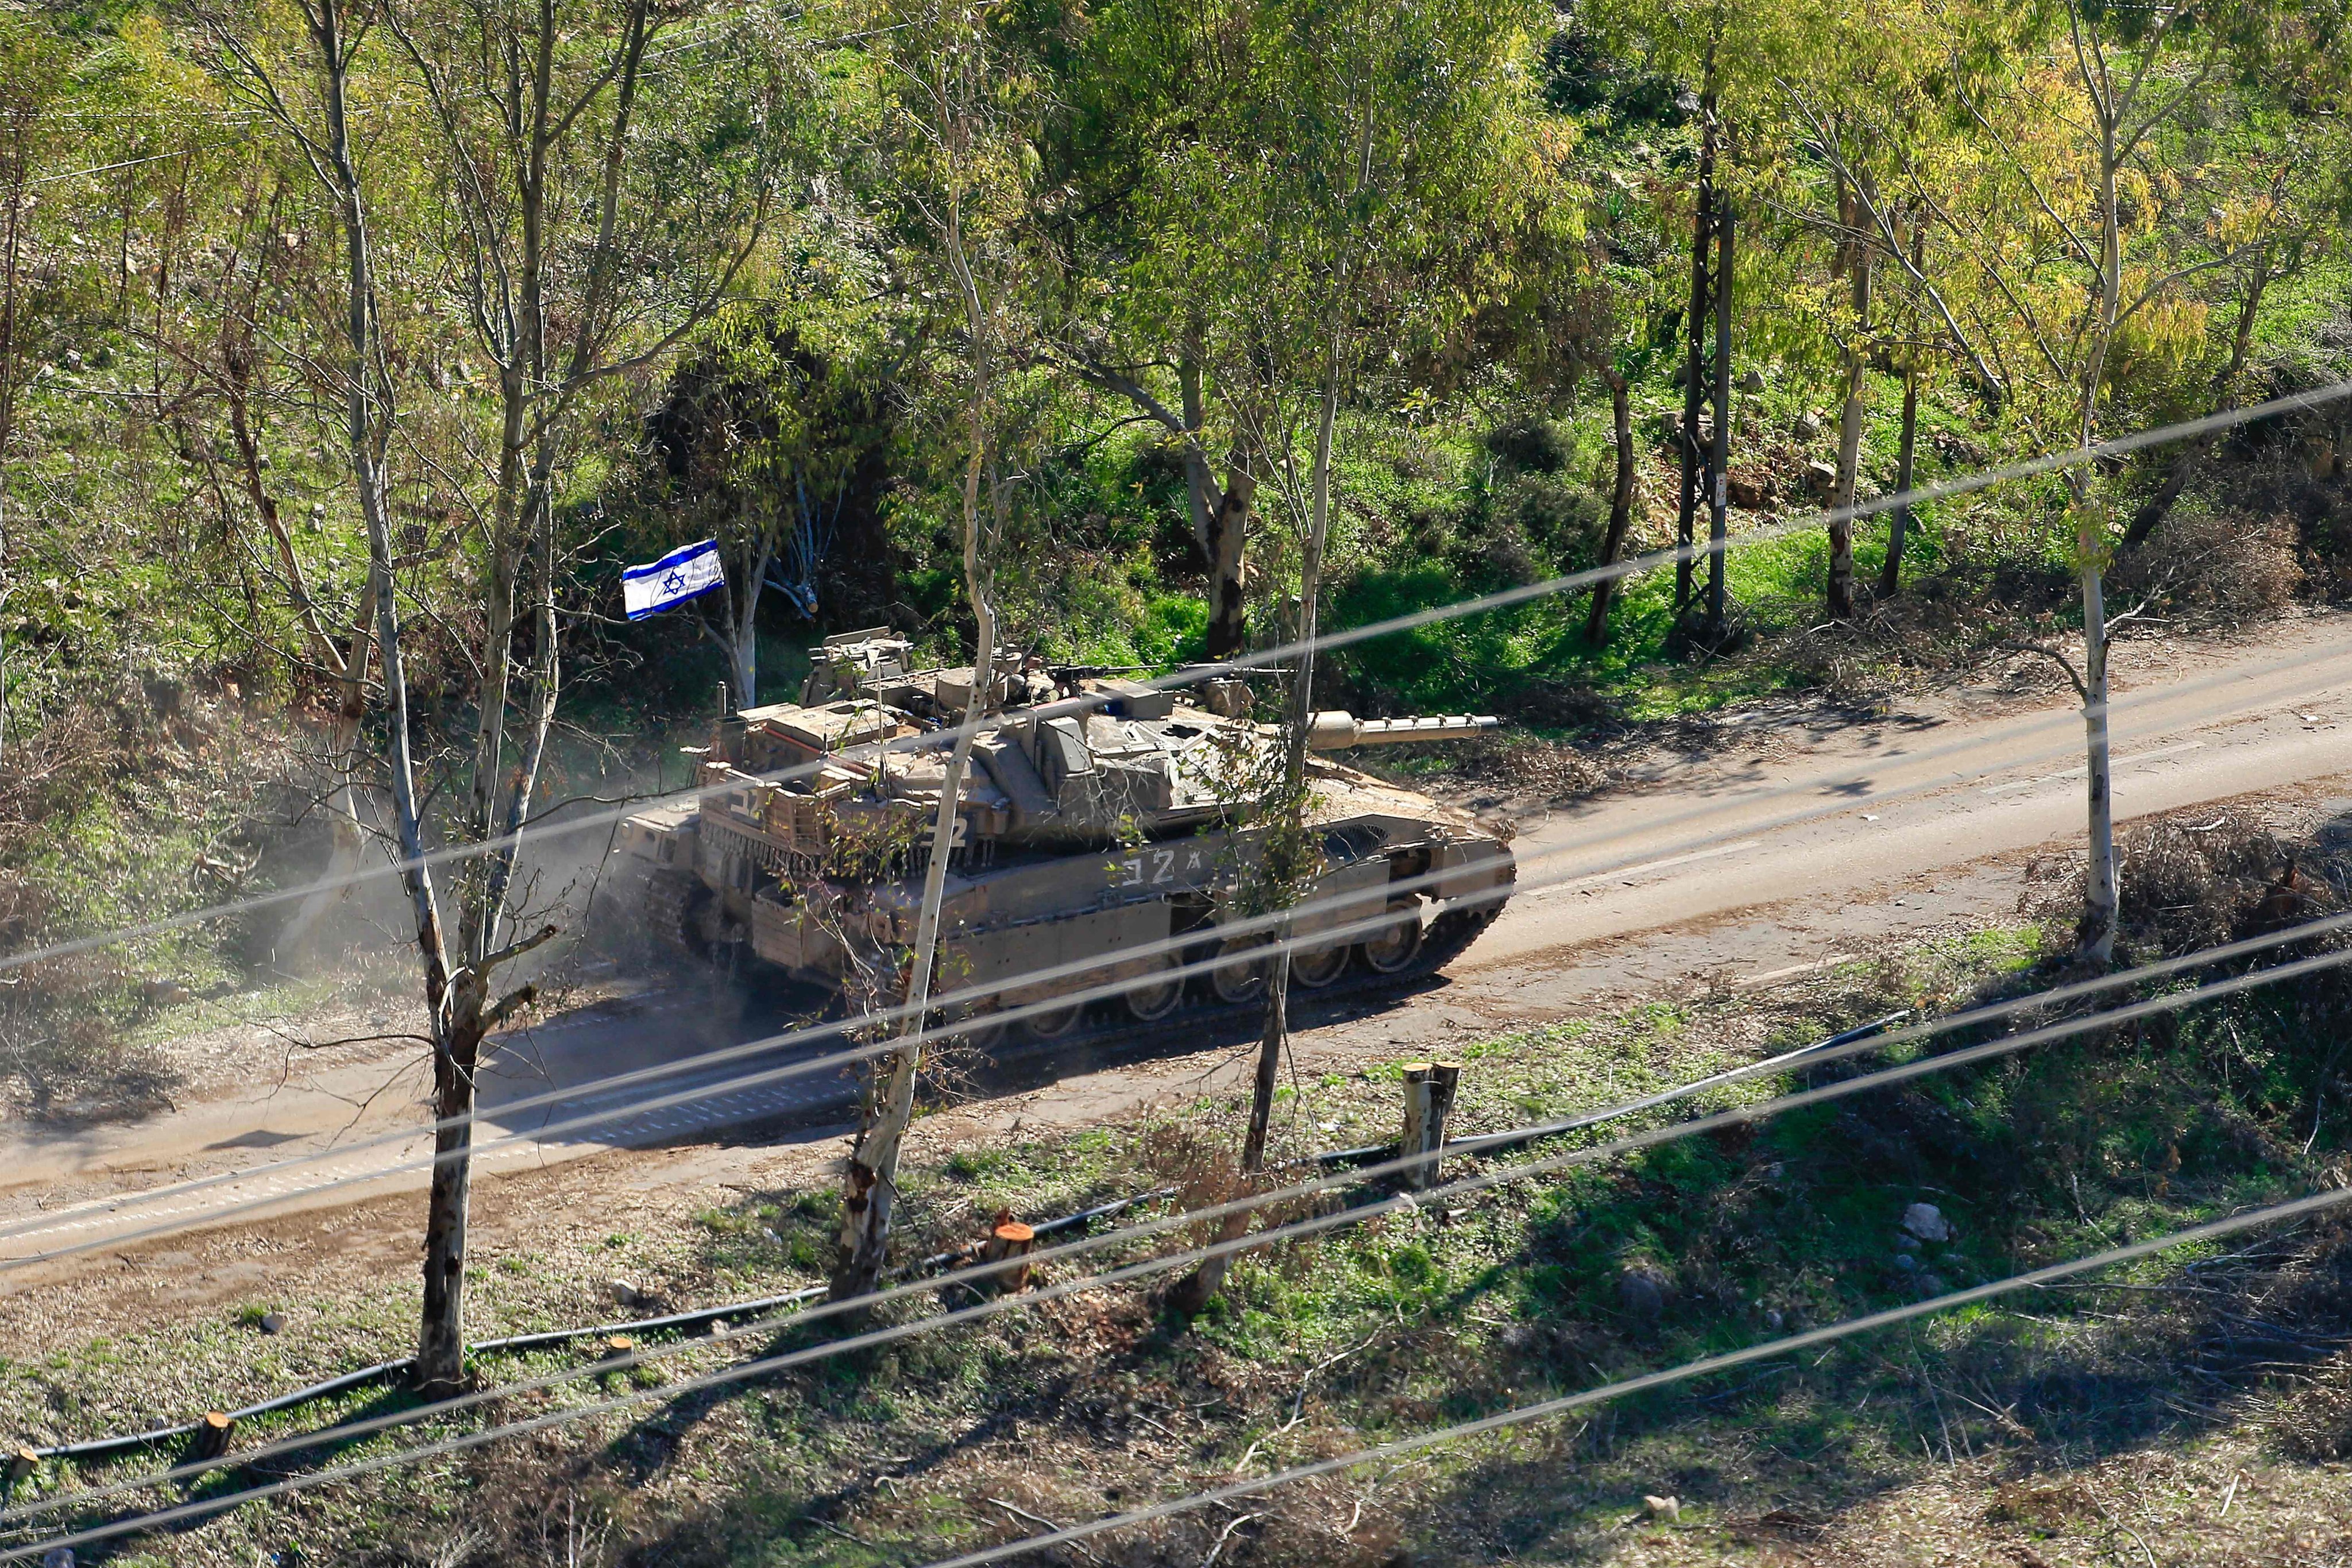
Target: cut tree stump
column 213, row 1435
column 1009, row 1242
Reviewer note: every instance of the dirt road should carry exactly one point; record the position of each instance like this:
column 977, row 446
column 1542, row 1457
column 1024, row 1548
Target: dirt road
column 1806, row 839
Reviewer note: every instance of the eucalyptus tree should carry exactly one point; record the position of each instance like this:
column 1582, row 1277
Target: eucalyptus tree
column 1369, row 149
column 957, row 98
column 1838, row 113
column 2090, row 211
column 1715, row 51
column 578, row 200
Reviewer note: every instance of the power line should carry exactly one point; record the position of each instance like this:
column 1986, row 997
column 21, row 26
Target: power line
column 897, row 1013
column 1266, row 658
column 1703, row 1367
column 1308, row 1226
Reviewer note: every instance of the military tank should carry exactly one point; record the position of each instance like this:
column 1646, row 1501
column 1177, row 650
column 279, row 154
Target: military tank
column 1102, row 837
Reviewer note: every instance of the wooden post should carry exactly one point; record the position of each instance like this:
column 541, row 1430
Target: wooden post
column 617, row 1346
column 212, row 1435
column 1008, row 1242
column 22, row 1462
column 1429, row 1088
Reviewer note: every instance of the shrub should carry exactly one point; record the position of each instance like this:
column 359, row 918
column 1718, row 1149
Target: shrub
column 2209, row 565
column 1562, row 521
column 1531, row 446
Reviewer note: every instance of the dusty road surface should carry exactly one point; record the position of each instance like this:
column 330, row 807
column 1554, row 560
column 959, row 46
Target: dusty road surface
column 1800, row 840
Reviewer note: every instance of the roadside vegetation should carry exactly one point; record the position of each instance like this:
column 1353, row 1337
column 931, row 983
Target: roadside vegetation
column 2022, row 1422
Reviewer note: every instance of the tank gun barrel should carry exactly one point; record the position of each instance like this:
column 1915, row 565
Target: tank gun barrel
column 1336, row 730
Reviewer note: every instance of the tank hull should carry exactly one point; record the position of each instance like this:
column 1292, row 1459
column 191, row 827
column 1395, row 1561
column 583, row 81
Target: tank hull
column 1095, row 855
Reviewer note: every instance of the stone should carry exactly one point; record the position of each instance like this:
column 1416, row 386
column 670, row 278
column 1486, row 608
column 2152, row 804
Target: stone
column 1663, row 1509
column 1808, row 426
column 1926, row 1222
column 271, row 1323
column 58, row 1557
column 625, row 1294
column 1774, row 1320
column 1752, row 380
column 1750, row 493
column 1820, row 477
column 1906, row 1242
column 1641, row 1295
column 1931, row 1285
column 1905, row 1262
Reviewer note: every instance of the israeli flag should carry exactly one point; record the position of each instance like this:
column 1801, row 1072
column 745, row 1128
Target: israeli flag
column 686, row 573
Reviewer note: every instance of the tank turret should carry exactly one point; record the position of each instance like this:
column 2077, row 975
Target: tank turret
column 1102, row 819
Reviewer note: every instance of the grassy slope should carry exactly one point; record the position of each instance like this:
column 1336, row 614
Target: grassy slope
column 1474, row 1306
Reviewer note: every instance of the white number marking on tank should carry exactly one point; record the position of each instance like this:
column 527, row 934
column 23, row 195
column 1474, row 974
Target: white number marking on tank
column 1163, row 866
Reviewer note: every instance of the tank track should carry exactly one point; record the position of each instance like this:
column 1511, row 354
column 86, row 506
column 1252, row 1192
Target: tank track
column 1108, row 1025
column 1109, row 1035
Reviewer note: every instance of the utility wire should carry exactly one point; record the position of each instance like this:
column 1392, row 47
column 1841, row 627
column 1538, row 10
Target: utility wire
column 1311, row 1225
column 1266, row 659
column 70, row 1218
column 2298, row 1208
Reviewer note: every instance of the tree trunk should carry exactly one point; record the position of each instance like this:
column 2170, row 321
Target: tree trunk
column 870, row 1190
column 2101, row 895
column 1890, row 571
column 368, row 413
column 1719, row 498
column 1850, row 422
column 869, row 1194
column 744, row 625
column 441, row 1341
column 1621, row 505
column 2101, row 891
column 1202, row 498
column 1694, row 358
column 1196, row 1290
column 1228, row 531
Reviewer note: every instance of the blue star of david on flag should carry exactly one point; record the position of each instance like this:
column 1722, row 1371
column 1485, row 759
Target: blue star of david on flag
column 686, row 573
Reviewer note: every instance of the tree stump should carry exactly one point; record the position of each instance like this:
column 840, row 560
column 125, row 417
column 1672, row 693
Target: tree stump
column 212, row 1435
column 1008, row 1242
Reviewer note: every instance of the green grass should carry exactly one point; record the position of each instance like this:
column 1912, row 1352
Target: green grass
column 1468, row 1305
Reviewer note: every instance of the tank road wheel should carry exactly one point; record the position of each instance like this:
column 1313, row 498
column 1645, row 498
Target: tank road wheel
column 1393, row 948
column 1236, row 977
column 1151, row 1000
column 973, row 1029
column 1316, row 967
column 1055, row 1022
